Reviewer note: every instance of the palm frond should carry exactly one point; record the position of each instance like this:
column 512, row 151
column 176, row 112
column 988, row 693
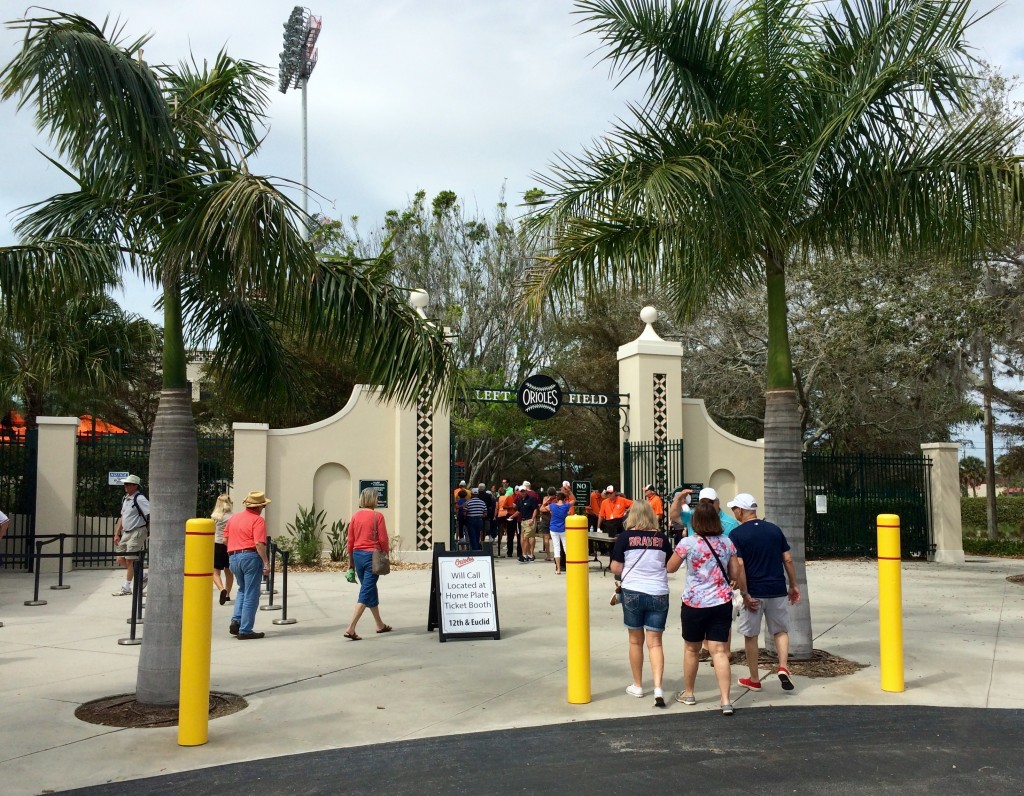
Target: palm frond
column 31, row 273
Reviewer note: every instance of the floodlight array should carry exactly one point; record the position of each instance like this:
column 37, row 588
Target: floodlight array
column 299, row 56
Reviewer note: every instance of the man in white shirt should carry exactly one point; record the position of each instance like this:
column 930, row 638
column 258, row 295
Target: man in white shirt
column 131, row 531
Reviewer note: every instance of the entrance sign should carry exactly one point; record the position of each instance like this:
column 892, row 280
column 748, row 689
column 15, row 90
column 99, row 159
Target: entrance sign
column 539, row 397
column 462, row 588
column 116, row 477
column 509, row 395
column 382, row 491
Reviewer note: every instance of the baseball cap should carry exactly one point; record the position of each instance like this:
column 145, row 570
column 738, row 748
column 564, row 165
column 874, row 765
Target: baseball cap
column 707, row 493
column 609, row 488
column 565, row 483
column 526, row 484
column 744, row 501
column 649, row 488
column 462, row 483
column 475, row 491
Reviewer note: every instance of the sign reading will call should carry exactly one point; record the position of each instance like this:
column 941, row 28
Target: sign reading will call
column 539, row 397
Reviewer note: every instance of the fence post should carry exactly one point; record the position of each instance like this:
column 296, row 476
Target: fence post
column 35, row 592
column 284, row 620
column 60, row 566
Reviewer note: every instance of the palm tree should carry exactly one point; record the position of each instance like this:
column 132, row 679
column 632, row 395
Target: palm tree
column 972, row 473
column 159, row 156
column 774, row 131
column 69, row 353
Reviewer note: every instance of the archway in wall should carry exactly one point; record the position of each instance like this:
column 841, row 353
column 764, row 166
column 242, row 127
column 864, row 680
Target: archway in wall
column 332, row 492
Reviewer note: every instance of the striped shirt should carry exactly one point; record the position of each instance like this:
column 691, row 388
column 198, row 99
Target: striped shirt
column 475, row 507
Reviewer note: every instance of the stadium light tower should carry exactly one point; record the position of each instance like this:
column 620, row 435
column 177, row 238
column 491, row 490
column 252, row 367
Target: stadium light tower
column 298, row 59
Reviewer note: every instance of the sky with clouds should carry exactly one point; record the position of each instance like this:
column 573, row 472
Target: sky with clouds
column 473, row 96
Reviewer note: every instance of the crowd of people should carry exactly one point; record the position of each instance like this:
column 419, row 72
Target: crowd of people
column 737, row 568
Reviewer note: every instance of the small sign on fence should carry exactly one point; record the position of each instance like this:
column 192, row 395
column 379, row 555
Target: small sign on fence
column 116, row 477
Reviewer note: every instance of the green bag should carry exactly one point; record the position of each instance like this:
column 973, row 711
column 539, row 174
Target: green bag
column 350, row 574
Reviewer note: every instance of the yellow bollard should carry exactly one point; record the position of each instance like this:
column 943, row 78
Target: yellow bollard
column 890, row 603
column 196, row 625
column 577, row 608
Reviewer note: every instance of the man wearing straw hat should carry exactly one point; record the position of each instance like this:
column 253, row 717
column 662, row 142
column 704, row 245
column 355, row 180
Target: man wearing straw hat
column 246, row 538
column 131, row 531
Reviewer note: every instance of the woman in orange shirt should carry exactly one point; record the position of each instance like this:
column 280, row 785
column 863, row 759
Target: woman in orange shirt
column 367, row 532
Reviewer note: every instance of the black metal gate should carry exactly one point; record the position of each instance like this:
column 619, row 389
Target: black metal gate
column 657, row 463
column 18, row 499
column 844, row 494
column 99, row 503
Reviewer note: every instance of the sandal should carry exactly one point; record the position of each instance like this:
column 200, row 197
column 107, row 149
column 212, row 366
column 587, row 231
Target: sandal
column 353, row 637
column 386, row 629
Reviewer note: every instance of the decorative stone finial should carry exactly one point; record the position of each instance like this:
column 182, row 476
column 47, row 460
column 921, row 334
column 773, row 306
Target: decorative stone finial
column 649, row 315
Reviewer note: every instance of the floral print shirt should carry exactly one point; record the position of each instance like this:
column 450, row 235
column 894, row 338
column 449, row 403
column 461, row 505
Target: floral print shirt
column 706, row 586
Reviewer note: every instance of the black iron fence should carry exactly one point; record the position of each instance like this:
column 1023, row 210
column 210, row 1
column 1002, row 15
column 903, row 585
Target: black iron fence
column 844, row 494
column 656, row 463
column 99, row 502
column 18, row 499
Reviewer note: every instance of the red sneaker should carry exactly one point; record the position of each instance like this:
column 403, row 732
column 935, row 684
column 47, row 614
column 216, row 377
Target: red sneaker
column 753, row 685
column 784, row 678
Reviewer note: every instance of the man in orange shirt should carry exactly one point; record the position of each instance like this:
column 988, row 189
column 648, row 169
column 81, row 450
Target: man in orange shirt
column 613, row 512
column 246, row 537
column 656, row 503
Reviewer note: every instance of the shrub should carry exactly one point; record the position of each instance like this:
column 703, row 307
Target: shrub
column 337, row 537
column 1009, row 510
column 306, row 533
column 993, row 547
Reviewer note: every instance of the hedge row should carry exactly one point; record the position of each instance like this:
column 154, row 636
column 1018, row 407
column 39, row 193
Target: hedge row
column 1008, row 509
column 993, row 547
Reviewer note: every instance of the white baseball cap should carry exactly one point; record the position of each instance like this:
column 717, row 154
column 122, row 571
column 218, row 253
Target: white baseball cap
column 565, row 483
column 744, row 501
column 609, row 488
column 707, row 493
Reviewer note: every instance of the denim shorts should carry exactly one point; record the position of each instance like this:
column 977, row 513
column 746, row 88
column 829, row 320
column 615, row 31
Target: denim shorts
column 647, row 611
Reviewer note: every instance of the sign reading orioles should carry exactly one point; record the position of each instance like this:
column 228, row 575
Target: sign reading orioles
column 539, row 397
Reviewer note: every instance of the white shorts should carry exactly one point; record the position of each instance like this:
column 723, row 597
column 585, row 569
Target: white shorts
column 775, row 611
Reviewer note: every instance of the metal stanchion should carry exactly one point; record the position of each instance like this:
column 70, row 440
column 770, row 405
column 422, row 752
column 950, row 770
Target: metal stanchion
column 35, row 593
column 60, row 566
column 133, row 620
column 284, row 620
column 270, row 589
column 268, row 579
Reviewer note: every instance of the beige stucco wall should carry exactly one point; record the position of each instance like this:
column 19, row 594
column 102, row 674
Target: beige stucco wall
column 716, row 458
column 944, row 483
column 56, row 476
column 322, row 463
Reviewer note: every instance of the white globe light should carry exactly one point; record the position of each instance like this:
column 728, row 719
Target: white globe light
column 648, row 315
column 419, row 299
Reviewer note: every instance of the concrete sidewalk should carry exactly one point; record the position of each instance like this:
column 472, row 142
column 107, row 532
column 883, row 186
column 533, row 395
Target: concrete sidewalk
column 311, row 689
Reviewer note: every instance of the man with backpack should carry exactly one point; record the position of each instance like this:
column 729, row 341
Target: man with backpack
column 131, row 531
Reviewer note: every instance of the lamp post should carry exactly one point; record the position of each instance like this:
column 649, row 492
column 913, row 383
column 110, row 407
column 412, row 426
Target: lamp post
column 298, row 59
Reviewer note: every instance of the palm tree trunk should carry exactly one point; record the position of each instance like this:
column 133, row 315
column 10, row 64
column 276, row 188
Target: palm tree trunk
column 173, row 484
column 174, row 478
column 784, row 504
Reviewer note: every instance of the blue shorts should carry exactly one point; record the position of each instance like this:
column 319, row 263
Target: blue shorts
column 644, row 611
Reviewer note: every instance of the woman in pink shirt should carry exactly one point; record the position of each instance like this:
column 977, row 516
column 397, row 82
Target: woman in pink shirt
column 367, row 532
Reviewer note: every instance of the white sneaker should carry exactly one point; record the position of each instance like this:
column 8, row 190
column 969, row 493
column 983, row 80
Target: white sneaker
column 124, row 591
column 635, row 690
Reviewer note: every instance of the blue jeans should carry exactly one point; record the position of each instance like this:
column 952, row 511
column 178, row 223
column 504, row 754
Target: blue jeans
column 647, row 611
column 363, row 560
column 248, row 571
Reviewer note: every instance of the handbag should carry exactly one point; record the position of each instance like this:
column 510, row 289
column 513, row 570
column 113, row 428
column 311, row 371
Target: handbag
column 380, row 564
column 618, row 584
column 350, row 574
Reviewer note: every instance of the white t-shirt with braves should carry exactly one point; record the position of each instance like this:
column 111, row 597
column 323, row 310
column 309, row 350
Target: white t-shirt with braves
column 643, row 555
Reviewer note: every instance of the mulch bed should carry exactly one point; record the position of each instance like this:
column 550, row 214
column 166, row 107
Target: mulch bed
column 340, row 566
column 124, row 710
column 1018, row 579
column 822, row 664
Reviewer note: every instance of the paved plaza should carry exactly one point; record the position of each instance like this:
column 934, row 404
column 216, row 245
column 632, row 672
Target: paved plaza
column 311, row 690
